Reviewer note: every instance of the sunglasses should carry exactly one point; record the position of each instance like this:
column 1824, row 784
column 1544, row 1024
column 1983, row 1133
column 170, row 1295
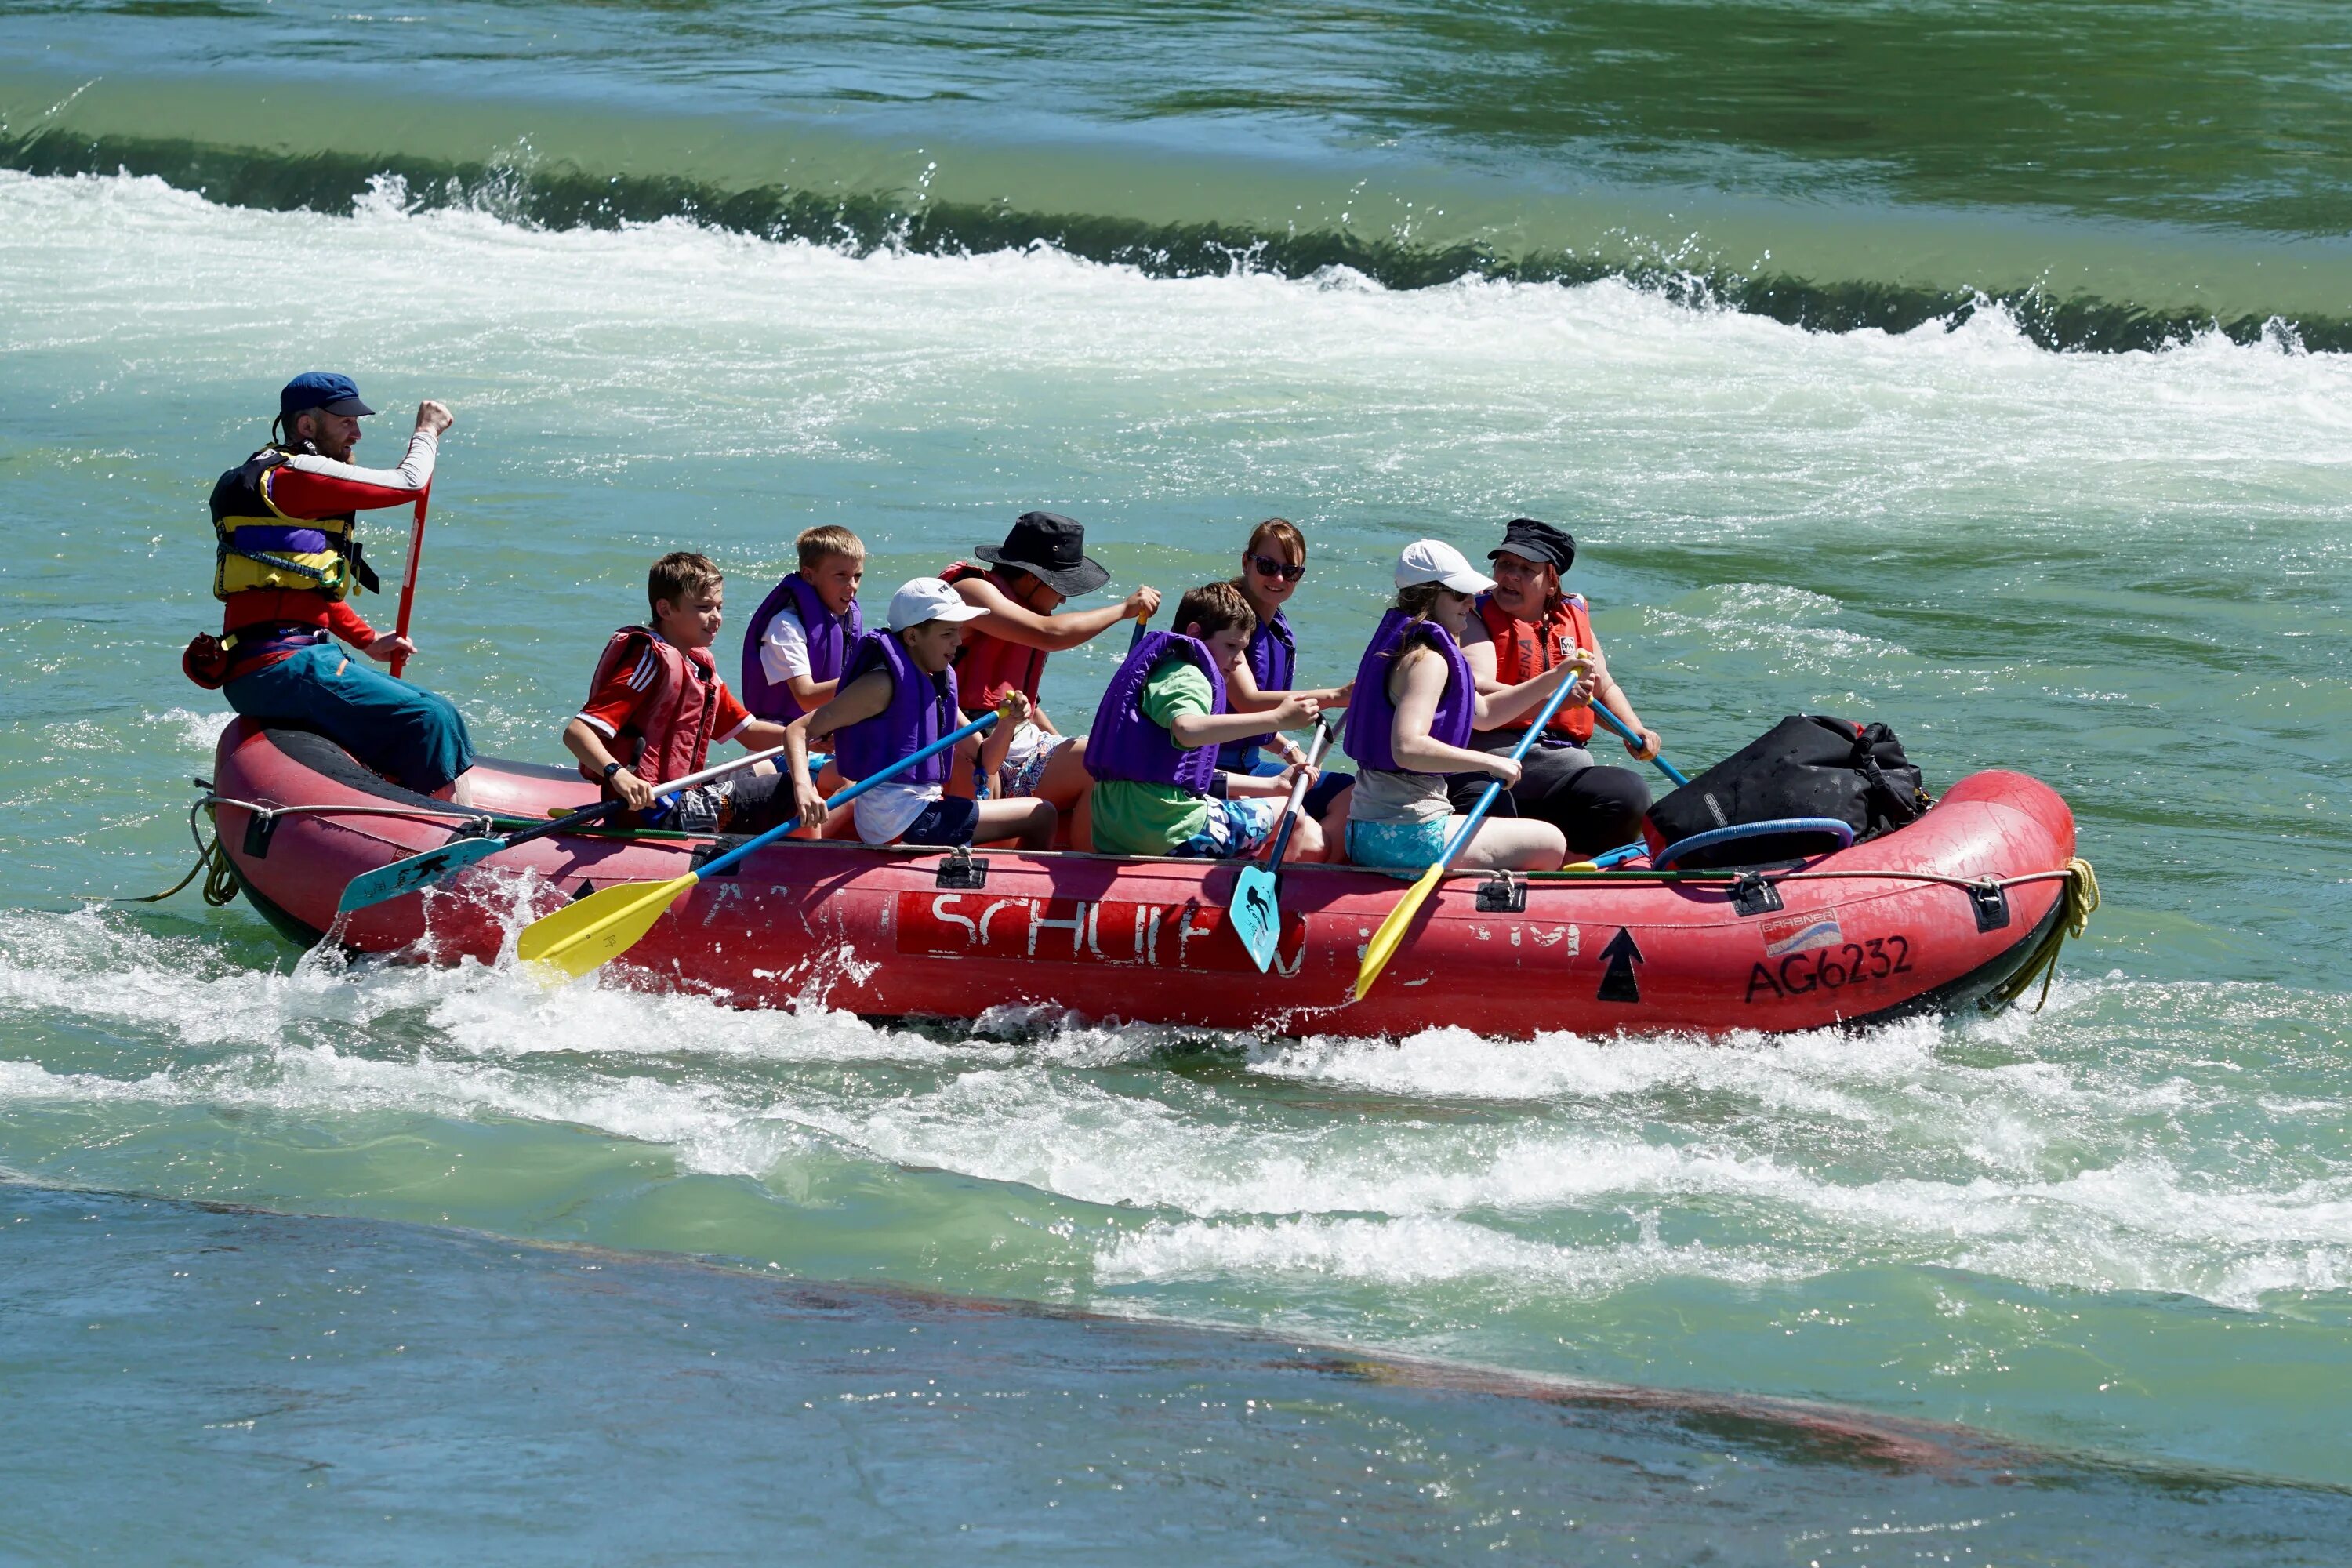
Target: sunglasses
column 1282, row 569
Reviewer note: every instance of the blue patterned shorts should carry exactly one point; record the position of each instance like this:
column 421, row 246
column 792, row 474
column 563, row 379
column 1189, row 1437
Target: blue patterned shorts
column 1397, row 846
column 1235, row 828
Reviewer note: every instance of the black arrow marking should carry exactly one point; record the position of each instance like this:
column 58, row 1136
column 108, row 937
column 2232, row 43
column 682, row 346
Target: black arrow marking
column 1622, row 954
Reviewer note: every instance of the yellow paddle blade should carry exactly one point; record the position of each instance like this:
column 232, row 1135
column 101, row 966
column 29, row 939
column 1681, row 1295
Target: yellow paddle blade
column 1385, row 942
column 582, row 935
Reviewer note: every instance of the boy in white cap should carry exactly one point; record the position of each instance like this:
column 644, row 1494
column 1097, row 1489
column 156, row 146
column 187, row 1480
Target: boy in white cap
column 1415, row 708
column 897, row 694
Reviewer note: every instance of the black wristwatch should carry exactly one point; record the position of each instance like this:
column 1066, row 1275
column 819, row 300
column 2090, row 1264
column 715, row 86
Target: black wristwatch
column 610, row 768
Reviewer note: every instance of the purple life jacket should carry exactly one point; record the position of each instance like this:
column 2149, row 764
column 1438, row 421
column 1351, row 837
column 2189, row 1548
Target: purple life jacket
column 1371, row 717
column 922, row 708
column 1273, row 660
column 830, row 640
column 1125, row 744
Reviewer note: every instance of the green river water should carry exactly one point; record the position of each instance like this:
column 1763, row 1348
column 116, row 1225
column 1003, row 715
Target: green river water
column 1970, row 368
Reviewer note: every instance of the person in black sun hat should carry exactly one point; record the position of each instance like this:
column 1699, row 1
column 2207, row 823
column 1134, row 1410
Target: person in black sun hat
column 1041, row 562
column 1525, row 625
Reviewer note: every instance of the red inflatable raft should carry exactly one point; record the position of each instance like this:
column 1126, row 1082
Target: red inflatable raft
column 1928, row 919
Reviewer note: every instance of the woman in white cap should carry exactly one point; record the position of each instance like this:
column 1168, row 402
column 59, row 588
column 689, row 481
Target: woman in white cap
column 898, row 695
column 1416, row 706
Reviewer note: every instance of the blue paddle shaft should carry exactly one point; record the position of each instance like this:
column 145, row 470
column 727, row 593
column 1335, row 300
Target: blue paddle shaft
column 1454, row 845
column 1618, row 724
column 712, row 868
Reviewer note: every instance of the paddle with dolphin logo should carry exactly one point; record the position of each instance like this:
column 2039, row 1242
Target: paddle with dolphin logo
column 1257, row 909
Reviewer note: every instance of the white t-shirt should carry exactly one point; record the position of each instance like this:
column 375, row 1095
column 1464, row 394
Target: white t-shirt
column 784, row 648
column 889, row 808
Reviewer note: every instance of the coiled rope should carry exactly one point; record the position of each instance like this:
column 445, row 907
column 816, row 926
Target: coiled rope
column 212, row 865
column 2079, row 899
column 221, row 884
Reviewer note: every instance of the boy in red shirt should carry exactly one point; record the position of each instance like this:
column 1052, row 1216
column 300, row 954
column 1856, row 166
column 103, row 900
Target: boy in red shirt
column 657, row 704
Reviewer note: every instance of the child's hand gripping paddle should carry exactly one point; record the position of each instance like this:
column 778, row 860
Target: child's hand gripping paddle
column 437, row 865
column 606, row 924
column 1385, row 940
column 1256, row 911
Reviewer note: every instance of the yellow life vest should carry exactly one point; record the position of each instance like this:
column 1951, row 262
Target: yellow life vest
column 258, row 546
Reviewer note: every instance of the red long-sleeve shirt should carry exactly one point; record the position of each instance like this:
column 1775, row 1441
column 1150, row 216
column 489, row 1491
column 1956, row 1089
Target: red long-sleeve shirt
column 308, row 486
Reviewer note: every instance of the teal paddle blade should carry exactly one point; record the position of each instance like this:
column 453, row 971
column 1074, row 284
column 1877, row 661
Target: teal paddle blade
column 1256, row 914
column 416, row 872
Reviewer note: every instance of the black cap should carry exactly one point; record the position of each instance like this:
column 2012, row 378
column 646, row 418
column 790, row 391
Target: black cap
column 1537, row 542
column 1047, row 546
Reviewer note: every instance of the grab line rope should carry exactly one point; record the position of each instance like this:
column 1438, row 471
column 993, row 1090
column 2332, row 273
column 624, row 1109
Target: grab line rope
column 2079, row 901
column 1966, row 884
column 2076, row 905
column 213, row 863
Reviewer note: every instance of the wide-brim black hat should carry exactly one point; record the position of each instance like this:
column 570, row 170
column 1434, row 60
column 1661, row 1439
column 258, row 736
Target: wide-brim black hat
column 1537, row 542
column 1050, row 547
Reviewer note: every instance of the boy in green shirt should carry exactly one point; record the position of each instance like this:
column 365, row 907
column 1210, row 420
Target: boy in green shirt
column 1153, row 748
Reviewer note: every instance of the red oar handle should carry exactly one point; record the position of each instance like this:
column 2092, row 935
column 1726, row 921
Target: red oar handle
column 408, row 578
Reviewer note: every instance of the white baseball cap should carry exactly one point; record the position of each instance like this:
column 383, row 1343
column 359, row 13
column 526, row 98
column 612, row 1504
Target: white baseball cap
column 921, row 599
column 1434, row 561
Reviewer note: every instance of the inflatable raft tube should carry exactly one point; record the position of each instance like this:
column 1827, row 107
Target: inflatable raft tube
column 1929, row 919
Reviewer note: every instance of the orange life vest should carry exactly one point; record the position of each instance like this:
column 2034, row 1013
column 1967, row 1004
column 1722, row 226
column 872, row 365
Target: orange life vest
column 673, row 737
column 987, row 667
column 1523, row 651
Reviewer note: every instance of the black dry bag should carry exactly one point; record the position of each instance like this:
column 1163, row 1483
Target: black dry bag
column 1807, row 766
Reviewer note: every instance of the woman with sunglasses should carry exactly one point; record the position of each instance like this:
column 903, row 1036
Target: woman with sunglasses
column 1273, row 562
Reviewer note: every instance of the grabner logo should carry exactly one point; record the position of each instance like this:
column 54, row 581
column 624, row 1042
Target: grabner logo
column 1800, row 934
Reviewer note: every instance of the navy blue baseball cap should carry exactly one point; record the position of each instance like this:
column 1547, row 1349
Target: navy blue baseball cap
column 321, row 389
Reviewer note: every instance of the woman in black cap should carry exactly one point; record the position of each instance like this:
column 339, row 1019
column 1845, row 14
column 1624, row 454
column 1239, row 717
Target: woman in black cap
column 1041, row 563
column 1525, row 625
